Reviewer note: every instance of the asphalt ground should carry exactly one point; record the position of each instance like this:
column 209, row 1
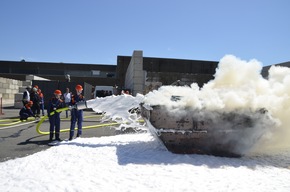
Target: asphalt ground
column 21, row 139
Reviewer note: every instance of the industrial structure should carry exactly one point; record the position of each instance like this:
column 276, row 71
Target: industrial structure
column 135, row 73
column 160, row 70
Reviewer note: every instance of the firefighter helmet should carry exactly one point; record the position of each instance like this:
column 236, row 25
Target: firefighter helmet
column 79, row 88
column 57, row 92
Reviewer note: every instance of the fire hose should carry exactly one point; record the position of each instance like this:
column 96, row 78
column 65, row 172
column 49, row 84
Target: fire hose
column 67, row 130
column 78, row 106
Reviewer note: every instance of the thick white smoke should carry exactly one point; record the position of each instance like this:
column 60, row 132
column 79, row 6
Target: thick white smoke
column 238, row 87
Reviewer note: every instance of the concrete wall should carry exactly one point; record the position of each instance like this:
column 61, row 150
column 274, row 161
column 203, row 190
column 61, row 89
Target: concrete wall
column 8, row 89
column 135, row 75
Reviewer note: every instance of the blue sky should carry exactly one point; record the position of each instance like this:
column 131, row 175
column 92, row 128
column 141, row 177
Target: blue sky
column 96, row 31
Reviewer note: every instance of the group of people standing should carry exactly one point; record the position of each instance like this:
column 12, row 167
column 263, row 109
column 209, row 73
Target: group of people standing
column 55, row 104
column 33, row 103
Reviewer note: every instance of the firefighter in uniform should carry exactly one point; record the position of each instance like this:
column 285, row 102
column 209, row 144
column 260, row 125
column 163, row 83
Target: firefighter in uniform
column 54, row 119
column 76, row 115
column 26, row 111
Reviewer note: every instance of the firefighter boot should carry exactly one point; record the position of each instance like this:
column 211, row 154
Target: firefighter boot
column 57, row 137
column 50, row 136
column 71, row 134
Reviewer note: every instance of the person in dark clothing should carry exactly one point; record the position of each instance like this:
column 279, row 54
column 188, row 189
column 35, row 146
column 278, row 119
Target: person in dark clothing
column 76, row 115
column 36, row 101
column 41, row 103
column 54, row 119
column 26, row 111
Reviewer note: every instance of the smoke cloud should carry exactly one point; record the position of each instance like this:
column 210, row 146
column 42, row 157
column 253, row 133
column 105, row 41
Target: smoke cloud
column 237, row 98
column 238, row 87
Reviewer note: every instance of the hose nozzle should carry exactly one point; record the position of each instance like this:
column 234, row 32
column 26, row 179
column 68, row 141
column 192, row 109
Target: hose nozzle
column 81, row 105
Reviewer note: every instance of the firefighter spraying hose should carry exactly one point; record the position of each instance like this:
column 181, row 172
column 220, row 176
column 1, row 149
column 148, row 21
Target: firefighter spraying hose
column 76, row 113
column 118, row 116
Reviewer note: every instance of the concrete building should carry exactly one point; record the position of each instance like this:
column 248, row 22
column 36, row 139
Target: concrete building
column 161, row 71
column 135, row 73
column 265, row 70
column 90, row 73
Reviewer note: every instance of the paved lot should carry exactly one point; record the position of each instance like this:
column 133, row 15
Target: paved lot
column 21, row 139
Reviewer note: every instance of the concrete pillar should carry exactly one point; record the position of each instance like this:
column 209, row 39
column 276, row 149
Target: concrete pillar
column 135, row 75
